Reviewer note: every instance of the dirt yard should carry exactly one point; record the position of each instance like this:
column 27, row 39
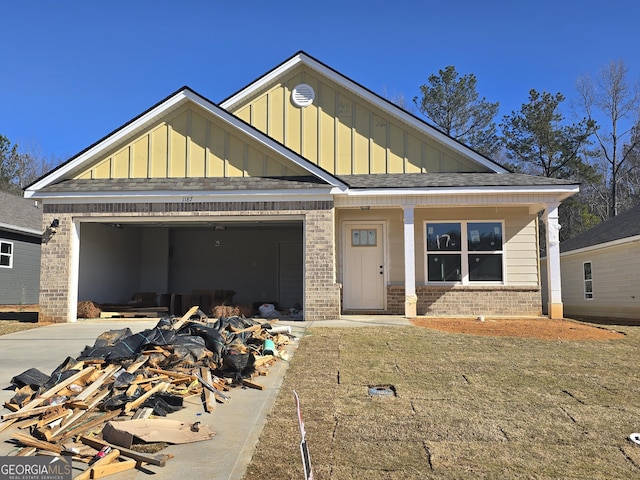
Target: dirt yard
column 541, row 328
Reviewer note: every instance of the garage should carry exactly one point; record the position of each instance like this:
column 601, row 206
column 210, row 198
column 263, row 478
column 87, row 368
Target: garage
column 239, row 262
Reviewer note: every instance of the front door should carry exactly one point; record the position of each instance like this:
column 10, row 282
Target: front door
column 363, row 270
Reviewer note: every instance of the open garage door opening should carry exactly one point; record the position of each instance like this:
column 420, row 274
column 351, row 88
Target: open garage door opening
column 180, row 264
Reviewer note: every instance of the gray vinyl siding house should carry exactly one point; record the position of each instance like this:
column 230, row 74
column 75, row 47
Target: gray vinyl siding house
column 601, row 269
column 20, row 244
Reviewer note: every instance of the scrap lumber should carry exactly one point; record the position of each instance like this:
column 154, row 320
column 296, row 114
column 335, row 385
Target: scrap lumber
column 219, row 395
column 252, row 384
column 106, row 460
column 89, row 424
column 99, row 471
column 30, row 413
column 162, row 386
column 95, row 386
column 206, row 393
column 159, row 459
column 185, row 317
column 47, row 395
column 30, row 441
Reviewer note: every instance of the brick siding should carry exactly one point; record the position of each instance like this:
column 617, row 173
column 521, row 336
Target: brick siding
column 469, row 300
column 322, row 293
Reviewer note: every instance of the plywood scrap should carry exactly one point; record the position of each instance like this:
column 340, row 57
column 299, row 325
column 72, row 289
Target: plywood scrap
column 153, row 430
column 159, row 459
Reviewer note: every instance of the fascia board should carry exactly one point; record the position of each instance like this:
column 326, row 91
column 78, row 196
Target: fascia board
column 116, row 137
column 565, row 191
column 171, row 103
column 367, row 95
column 17, row 229
column 601, row 246
column 180, row 196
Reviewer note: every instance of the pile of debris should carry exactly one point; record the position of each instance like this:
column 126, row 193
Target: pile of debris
column 113, row 397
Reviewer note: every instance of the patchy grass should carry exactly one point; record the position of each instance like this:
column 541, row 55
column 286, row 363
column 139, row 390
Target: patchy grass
column 466, row 407
column 12, row 326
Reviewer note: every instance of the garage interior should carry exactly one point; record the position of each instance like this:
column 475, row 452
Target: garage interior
column 262, row 261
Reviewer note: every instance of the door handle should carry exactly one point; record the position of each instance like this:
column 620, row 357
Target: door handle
column 381, row 270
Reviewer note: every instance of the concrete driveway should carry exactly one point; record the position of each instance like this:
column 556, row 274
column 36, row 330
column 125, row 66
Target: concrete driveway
column 237, row 423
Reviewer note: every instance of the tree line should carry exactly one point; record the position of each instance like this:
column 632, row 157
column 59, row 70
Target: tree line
column 21, row 167
column 599, row 147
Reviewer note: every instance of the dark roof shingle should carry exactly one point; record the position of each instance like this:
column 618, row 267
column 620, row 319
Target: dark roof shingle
column 441, row 180
column 19, row 212
column 624, row 225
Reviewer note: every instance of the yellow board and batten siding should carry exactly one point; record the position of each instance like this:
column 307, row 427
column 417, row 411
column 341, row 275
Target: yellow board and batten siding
column 344, row 134
column 190, row 143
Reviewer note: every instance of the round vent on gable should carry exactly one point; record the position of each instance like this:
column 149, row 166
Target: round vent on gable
column 303, row 95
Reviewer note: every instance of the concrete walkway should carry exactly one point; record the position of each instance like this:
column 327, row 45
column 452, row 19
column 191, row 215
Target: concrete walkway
column 237, row 424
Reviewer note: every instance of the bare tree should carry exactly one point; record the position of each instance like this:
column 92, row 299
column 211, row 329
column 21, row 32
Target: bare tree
column 614, row 103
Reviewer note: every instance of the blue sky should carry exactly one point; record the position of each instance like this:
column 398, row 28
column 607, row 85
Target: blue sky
column 73, row 71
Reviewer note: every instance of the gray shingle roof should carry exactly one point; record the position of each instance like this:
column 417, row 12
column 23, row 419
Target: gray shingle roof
column 403, row 180
column 184, row 184
column 20, row 213
column 624, row 225
column 435, row 180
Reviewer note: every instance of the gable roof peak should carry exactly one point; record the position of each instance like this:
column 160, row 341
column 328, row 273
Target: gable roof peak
column 301, row 57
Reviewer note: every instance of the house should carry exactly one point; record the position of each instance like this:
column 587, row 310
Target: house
column 303, row 188
column 20, row 239
column 601, row 269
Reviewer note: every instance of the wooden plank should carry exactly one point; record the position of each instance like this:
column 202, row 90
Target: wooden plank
column 135, row 366
column 100, row 471
column 78, row 415
column 30, row 413
column 88, row 425
column 29, row 441
column 91, row 389
column 48, row 394
column 206, row 393
column 107, row 459
column 162, row 386
column 159, row 459
column 185, row 317
column 250, row 384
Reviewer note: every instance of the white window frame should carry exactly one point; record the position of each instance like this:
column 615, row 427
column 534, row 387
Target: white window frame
column 10, row 255
column 464, row 253
column 585, row 280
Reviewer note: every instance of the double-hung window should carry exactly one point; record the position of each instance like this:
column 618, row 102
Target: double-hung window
column 464, row 252
column 588, row 280
column 6, row 254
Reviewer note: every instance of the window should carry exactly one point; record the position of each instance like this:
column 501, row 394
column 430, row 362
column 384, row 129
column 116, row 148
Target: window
column 588, row 280
column 6, row 254
column 464, row 252
column 364, row 238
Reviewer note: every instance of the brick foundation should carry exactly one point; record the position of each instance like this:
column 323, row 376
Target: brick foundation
column 468, row 301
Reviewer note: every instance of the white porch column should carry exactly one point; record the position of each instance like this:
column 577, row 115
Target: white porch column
column 410, row 298
column 554, row 287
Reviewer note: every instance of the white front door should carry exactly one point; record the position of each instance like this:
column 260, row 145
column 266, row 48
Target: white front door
column 363, row 274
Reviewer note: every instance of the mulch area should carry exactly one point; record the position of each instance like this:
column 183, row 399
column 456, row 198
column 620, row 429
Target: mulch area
column 540, row 328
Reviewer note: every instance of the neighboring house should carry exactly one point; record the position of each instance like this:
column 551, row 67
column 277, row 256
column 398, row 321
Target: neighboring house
column 601, row 269
column 302, row 188
column 20, row 239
